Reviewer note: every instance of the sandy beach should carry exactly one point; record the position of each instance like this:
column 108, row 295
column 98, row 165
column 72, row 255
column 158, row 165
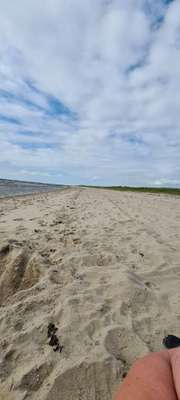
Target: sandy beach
column 89, row 282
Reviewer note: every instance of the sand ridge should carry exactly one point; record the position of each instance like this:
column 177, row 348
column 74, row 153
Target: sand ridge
column 104, row 268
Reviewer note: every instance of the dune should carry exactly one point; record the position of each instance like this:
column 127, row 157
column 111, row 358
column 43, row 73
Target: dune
column 89, row 282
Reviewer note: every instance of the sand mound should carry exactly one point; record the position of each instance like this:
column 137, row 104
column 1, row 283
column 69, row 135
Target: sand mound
column 19, row 270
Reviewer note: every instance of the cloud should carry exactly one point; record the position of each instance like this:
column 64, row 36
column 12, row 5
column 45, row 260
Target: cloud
column 90, row 90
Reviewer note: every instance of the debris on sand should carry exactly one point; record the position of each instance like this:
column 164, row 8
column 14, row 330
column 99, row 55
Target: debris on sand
column 54, row 341
column 171, row 341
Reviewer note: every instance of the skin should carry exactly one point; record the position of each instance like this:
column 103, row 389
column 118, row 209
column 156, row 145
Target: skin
column 156, row 376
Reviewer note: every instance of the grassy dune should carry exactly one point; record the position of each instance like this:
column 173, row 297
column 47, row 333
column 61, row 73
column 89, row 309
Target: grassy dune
column 174, row 191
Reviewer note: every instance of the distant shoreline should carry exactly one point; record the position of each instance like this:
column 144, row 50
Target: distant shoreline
column 9, row 189
column 21, row 195
column 13, row 188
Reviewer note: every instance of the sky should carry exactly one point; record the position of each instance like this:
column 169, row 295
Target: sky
column 90, row 91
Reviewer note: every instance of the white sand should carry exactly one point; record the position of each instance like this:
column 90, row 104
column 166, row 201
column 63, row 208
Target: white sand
column 104, row 267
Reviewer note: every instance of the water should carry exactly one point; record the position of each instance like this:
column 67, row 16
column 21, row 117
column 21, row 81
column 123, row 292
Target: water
column 15, row 188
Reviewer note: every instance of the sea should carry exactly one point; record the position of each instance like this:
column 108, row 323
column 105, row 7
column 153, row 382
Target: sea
column 9, row 188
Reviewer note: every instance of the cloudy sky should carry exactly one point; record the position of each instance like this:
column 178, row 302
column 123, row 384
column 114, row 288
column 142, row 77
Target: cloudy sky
column 90, row 91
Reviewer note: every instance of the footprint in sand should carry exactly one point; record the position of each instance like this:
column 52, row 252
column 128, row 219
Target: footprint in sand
column 76, row 241
column 125, row 345
column 33, row 378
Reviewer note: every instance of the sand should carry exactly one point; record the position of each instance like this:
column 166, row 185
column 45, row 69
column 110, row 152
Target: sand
column 104, row 268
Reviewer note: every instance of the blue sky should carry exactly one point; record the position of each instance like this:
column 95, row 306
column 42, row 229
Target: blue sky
column 90, row 91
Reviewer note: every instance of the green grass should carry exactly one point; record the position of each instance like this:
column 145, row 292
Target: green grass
column 171, row 191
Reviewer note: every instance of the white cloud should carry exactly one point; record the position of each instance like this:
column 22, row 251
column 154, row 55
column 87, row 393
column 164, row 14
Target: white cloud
column 107, row 63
